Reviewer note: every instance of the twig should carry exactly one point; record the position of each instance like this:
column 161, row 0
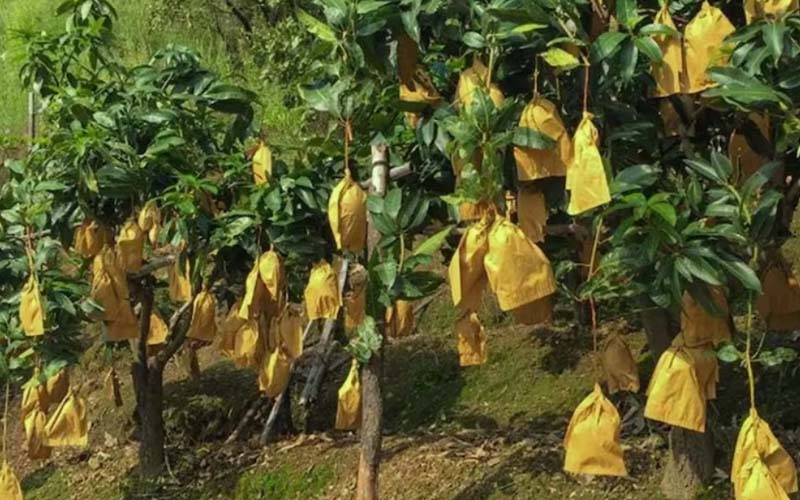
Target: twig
column 395, row 173
column 152, row 266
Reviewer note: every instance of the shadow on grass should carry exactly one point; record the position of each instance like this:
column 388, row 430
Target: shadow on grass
column 39, row 477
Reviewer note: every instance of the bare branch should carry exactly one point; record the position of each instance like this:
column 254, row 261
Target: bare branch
column 153, row 266
column 177, row 333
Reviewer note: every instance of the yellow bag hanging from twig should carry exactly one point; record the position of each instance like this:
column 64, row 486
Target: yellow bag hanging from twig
column 34, row 423
column 668, row 73
column 541, row 115
column 622, row 373
column 592, row 440
column 34, row 396
column 68, row 426
column 274, row 375
column 348, row 410
column 90, row 238
column 746, row 161
column 230, row 325
column 758, row 483
column 471, row 340
column 698, row 326
column 57, row 387
column 473, row 78
column 255, row 295
column 130, row 247
column 415, row 84
column 262, row 164
column 779, row 303
column 706, row 367
column 756, row 9
column 322, row 292
column 355, row 305
column 586, row 175
column 180, row 285
column 125, row 326
column 532, row 213
column 675, row 395
column 150, row 220
column 247, row 351
column 400, row 320
column 347, row 215
column 466, row 272
column 538, row 312
column 290, row 331
column 273, row 275
column 704, row 47
column 518, row 271
column 474, row 211
column 31, row 308
column 756, row 440
column 159, row 330
column 204, row 312
column 10, row 488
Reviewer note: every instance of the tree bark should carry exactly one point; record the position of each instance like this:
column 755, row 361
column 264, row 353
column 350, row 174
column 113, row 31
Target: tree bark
column 372, row 372
column 691, row 454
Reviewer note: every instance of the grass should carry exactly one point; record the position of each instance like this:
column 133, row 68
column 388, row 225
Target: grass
column 284, row 483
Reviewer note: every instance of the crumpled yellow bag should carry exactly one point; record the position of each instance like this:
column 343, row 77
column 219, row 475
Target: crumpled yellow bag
column 149, row 220
column 518, row 270
column 273, row 276
column 472, row 79
column 57, row 387
column 180, row 285
column 538, row 312
column 475, row 211
column 779, row 304
column 290, row 331
column 668, row 73
column 347, row 215
column 348, row 409
column 675, row 395
column 699, row 327
column 755, row 9
column 703, row 43
column 322, row 292
column 355, row 305
column 230, row 325
column 248, row 350
column 758, row 483
column 68, row 425
column 532, row 214
column 756, row 440
column 592, row 440
column 204, row 312
column 542, row 116
column 400, row 321
column 10, row 488
column 746, row 161
column 622, row 373
column 262, row 164
column 112, row 387
column 586, row 175
column 706, row 367
column 34, row 396
column 130, row 246
column 471, row 340
column 34, row 424
column 31, row 309
column 255, row 295
column 415, row 84
column 90, row 238
column 466, row 272
column 274, row 375
column 159, row 330
column 125, row 326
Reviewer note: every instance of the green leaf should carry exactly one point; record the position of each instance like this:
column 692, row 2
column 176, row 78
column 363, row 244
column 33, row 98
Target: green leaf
column 606, row 45
column 628, row 13
column 649, row 48
column 665, row 211
column 367, row 6
column 432, row 245
column 729, row 354
column 773, row 33
column 560, row 59
column 705, row 169
column 742, row 272
column 530, row 138
column 473, row 40
column 316, row 27
column 392, row 202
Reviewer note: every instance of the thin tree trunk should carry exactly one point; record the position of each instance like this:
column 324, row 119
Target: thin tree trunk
column 691, row 454
column 372, row 372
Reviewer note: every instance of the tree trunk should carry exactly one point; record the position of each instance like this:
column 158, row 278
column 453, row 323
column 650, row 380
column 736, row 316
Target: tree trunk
column 150, row 406
column 372, row 372
column 691, row 454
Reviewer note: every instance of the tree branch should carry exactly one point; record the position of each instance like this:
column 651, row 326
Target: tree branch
column 177, row 333
column 395, row 173
column 153, row 266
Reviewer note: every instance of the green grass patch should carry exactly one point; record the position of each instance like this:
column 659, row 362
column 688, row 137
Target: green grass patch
column 284, row 483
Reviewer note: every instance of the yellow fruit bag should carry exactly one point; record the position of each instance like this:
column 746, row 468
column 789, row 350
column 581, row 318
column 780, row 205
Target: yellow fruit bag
column 755, row 9
column 704, row 47
column 675, row 395
column 255, row 297
column 622, row 373
column 355, row 305
column 347, row 215
column 273, row 276
column 542, row 116
column 699, row 327
column 400, row 320
column 471, row 340
column 68, row 425
column 322, row 292
column 149, row 220
column 348, row 410
column 538, row 312
column 125, row 326
column 180, row 285
column 230, row 325
column 34, row 424
column 262, row 164
column 290, row 331
column 159, row 330
column 779, row 304
column 668, row 73
column 130, row 247
column 204, row 312
column 58, row 387
column 592, row 439
column 90, row 238
column 10, row 488
column 756, row 441
column 758, row 483
column 518, row 271
column 466, row 272
column 248, row 348
column 746, row 161
column 34, row 396
column 31, row 309
column 586, row 175
column 472, row 79
column 274, row 375
column 532, row 213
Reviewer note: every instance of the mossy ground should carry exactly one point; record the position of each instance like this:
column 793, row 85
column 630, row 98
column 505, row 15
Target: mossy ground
column 489, row 432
